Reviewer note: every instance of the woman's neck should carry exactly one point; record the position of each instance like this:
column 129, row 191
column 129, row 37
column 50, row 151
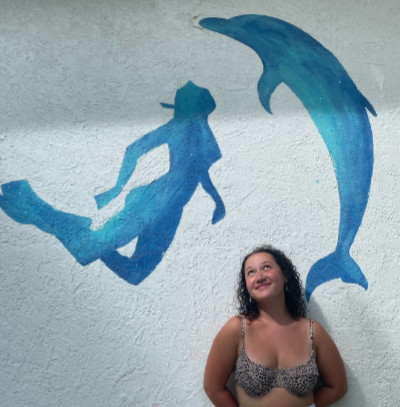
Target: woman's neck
column 275, row 310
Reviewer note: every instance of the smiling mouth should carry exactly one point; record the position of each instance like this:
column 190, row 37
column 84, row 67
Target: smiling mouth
column 263, row 285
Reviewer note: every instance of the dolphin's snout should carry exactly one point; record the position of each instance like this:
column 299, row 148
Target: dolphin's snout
column 214, row 23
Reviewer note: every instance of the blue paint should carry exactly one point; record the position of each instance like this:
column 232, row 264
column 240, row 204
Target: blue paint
column 338, row 109
column 152, row 212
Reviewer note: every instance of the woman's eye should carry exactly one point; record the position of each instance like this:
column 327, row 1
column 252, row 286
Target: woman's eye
column 250, row 272
column 267, row 266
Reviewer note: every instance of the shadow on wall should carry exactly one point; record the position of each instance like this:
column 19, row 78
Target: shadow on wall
column 355, row 395
column 152, row 212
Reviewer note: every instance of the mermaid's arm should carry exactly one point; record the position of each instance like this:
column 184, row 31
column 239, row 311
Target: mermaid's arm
column 219, row 211
column 132, row 154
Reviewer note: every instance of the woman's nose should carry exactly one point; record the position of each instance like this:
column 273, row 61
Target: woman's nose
column 260, row 274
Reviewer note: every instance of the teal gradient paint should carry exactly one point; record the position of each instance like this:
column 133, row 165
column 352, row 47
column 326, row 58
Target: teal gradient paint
column 152, row 212
column 291, row 56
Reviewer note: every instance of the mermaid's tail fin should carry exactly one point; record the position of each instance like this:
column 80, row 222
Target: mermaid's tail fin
column 335, row 265
column 17, row 201
column 20, row 203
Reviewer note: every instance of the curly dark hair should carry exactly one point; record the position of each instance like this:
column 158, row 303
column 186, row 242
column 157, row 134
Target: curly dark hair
column 294, row 296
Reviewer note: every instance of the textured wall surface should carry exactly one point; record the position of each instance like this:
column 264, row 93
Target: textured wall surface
column 82, row 80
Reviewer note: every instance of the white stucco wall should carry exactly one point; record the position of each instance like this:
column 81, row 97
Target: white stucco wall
column 80, row 81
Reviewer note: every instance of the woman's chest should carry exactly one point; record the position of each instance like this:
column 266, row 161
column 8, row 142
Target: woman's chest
column 278, row 349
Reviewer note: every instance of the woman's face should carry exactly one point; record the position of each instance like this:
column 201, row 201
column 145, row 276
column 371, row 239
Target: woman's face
column 264, row 277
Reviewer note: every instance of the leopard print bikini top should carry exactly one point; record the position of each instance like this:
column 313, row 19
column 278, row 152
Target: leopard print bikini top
column 257, row 380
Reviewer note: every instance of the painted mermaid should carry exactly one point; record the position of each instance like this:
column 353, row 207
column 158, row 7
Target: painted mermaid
column 152, row 212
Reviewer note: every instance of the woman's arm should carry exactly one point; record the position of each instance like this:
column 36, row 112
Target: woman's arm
column 331, row 368
column 219, row 211
column 132, row 154
column 220, row 363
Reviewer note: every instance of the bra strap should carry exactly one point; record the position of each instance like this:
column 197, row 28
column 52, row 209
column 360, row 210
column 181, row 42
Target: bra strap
column 243, row 328
column 311, row 336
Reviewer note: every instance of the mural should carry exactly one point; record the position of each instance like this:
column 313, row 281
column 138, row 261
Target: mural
column 152, row 212
column 338, row 109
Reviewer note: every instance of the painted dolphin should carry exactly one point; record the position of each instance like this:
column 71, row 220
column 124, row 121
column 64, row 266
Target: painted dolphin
column 337, row 108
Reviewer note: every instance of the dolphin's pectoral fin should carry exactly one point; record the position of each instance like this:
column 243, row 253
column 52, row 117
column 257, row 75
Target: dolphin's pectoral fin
column 266, row 86
column 336, row 265
column 364, row 102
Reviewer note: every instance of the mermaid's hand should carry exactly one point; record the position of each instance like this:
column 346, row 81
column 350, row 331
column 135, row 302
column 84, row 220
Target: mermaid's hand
column 219, row 212
column 105, row 198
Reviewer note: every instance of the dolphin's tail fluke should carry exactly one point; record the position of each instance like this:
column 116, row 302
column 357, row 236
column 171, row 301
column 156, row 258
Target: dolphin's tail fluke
column 336, row 265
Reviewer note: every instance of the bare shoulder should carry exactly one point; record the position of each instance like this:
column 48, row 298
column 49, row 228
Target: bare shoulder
column 228, row 340
column 304, row 323
column 232, row 330
column 221, row 361
column 317, row 326
column 330, row 363
column 223, row 354
column 328, row 356
column 320, row 334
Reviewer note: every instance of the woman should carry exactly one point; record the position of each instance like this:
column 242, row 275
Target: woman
column 152, row 212
column 279, row 358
